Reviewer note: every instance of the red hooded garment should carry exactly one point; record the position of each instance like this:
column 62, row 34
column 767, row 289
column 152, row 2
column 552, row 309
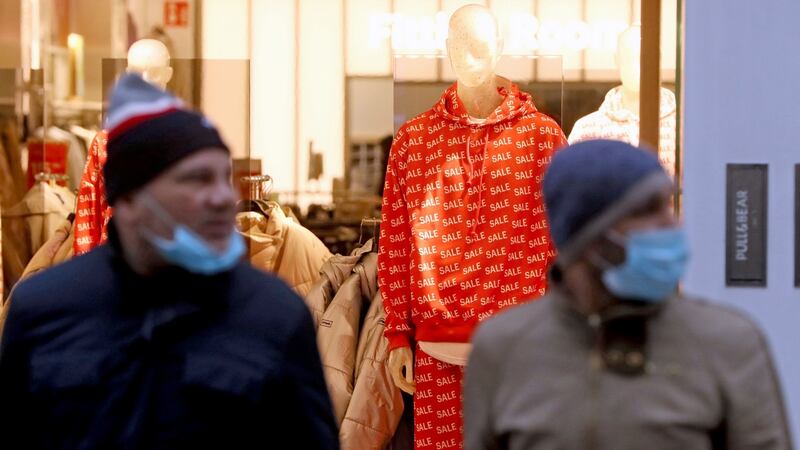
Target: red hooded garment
column 463, row 231
column 92, row 211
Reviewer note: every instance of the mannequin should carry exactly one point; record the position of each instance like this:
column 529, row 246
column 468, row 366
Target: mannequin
column 464, row 233
column 618, row 116
column 149, row 58
column 628, row 58
column 474, row 49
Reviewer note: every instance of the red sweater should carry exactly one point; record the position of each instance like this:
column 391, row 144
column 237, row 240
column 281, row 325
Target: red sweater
column 92, row 211
column 463, row 231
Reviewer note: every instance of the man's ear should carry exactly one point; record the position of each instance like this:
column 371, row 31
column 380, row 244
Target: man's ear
column 124, row 207
column 609, row 250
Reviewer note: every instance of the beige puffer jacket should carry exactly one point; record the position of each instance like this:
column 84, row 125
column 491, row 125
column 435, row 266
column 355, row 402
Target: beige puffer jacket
column 56, row 250
column 279, row 245
column 332, row 275
column 29, row 224
column 337, row 335
column 367, row 404
column 376, row 406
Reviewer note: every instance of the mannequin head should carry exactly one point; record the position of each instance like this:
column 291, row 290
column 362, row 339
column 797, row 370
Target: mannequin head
column 628, row 55
column 474, row 45
column 150, row 59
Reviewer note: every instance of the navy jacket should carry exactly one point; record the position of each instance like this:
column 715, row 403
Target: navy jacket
column 94, row 356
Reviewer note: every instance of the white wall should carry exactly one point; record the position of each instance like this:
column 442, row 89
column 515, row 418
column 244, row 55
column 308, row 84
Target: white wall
column 225, row 50
column 741, row 106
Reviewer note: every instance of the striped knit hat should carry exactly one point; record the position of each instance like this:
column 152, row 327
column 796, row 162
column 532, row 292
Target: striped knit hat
column 148, row 131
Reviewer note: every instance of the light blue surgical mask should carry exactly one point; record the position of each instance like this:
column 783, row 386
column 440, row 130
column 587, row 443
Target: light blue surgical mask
column 189, row 251
column 655, row 262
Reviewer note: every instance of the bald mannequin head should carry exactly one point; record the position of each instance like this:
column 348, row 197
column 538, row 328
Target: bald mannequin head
column 150, row 59
column 474, row 45
column 629, row 45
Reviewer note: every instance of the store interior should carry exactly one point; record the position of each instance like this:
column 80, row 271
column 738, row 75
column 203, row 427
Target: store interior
column 308, row 94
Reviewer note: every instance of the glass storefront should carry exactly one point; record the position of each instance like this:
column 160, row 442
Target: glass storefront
column 308, row 94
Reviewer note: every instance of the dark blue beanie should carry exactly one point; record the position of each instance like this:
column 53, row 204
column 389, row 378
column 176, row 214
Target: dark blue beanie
column 149, row 130
column 591, row 185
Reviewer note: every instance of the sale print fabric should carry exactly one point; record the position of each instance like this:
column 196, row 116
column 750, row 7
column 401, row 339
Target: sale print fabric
column 92, row 213
column 613, row 121
column 464, row 232
column 438, row 416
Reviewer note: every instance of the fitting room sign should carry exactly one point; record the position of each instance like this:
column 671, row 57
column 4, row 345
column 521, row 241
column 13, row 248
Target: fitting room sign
column 176, row 13
column 746, row 225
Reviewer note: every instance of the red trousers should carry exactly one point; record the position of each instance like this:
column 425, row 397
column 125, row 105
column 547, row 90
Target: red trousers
column 438, row 415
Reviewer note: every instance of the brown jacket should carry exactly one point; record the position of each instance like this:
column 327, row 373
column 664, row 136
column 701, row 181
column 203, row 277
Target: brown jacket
column 376, row 406
column 687, row 374
column 280, row 245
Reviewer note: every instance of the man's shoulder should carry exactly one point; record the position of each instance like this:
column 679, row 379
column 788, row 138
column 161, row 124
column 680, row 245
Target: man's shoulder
column 88, row 273
column 510, row 324
column 265, row 290
column 716, row 326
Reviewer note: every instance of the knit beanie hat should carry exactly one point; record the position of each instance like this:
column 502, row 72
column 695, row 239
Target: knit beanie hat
column 148, row 131
column 591, row 185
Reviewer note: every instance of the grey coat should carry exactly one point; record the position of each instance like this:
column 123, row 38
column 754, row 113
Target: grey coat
column 539, row 378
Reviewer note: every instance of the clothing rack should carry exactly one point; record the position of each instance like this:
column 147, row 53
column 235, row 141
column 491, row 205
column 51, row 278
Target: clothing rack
column 50, row 178
column 258, row 186
column 375, row 224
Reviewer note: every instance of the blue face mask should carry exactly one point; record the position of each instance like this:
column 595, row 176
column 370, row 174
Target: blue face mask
column 655, row 262
column 189, row 251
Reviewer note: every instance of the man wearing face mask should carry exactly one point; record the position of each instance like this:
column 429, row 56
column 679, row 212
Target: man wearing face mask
column 162, row 338
column 612, row 357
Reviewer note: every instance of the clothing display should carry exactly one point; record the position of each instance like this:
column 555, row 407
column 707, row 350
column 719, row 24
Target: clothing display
column 337, row 335
column 613, row 121
column 464, row 216
column 56, row 250
column 279, row 245
column 336, row 270
column 437, row 403
column 173, row 360
column 76, row 153
column 367, row 405
column 29, row 224
column 376, row 407
column 708, row 380
column 466, row 231
column 12, row 178
column 92, row 213
column 464, row 224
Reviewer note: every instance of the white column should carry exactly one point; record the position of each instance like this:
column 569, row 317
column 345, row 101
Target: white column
column 272, row 91
column 225, row 95
column 740, row 106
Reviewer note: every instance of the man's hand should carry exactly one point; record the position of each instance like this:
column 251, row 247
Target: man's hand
column 399, row 359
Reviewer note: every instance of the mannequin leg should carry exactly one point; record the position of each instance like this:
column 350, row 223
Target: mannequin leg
column 438, row 416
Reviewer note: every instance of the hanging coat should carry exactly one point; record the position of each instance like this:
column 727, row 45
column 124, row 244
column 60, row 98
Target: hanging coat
column 376, row 406
column 333, row 274
column 279, row 245
column 31, row 223
column 93, row 212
